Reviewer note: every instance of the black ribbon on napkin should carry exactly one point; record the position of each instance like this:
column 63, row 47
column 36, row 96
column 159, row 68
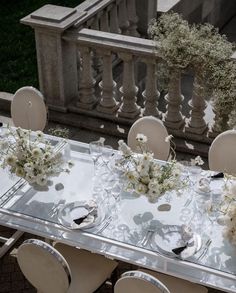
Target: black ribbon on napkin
column 180, row 249
column 218, row 175
column 1, row 124
column 80, row 220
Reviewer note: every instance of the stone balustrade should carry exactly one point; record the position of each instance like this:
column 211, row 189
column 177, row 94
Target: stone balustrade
column 81, row 49
column 118, row 101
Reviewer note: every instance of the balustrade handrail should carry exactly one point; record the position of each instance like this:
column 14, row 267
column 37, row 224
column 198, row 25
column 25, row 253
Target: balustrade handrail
column 91, row 8
column 114, row 42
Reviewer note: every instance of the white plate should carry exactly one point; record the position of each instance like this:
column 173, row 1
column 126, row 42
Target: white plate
column 78, row 209
column 169, row 237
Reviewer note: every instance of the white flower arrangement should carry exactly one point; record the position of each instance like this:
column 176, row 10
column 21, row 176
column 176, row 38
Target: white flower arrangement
column 144, row 174
column 32, row 158
column 228, row 210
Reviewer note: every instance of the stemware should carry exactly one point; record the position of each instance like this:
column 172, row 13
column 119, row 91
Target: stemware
column 116, row 192
column 95, row 149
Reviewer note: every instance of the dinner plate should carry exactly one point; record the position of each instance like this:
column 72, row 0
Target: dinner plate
column 170, row 237
column 79, row 209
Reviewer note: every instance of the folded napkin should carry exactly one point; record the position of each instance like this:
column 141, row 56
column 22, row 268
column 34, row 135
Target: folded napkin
column 85, row 215
column 187, row 239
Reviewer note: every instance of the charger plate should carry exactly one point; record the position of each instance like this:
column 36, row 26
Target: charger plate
column 171, row 236
column 75, row 210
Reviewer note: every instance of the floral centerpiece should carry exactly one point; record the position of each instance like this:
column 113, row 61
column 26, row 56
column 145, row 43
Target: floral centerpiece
column 228, row 208
column 144, row 174
column 29, row 157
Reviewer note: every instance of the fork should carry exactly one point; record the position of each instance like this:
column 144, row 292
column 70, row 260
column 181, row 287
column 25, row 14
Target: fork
column 104, row 225
column 151, row 229
column 55, row 209
column 204, row 251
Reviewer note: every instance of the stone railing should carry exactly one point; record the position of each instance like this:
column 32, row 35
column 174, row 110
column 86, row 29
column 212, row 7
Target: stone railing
column 57, row 59
column 75, row 45
column 120, row 103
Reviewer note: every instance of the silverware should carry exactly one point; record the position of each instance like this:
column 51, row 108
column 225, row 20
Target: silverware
column 188, row 201
column 151, row 229
column 55, row 209
column 205, row 249
column 104, row 224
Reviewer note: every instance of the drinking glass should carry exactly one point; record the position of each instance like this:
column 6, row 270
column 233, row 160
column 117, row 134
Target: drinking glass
column 116, row 192
column 95, row 148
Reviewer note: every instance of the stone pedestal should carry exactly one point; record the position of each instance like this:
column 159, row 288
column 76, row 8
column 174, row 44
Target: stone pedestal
column 57, row 65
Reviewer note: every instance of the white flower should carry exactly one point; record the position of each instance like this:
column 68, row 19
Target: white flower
column 141, row 138
column 141, row 188
column 70, row 164
column 36, row 152
column 11, row 160
column 169, row 138
column 41, row 180
column 20, row 172
column 30, row 178
column 40, row 134
column 197, row 161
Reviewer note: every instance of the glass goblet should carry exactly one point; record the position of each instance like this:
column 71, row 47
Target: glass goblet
column 95, row 149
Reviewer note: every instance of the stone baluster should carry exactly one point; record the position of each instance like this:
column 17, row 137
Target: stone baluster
column 133, row 19
column 114, row 24
column 87, row 98
column 123, row 17
column 97, row 64
column 108, row 103
column 173, row 117
column 151, row 94
column 95, row 23
column 129, row 107
column 196, row 123
column 104, row 25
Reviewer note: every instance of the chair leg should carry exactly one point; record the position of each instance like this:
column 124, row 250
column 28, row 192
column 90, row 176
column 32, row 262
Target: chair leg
column 9, row 242
column 114, row 278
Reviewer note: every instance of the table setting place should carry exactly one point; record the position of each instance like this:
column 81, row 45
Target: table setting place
column 133, row 198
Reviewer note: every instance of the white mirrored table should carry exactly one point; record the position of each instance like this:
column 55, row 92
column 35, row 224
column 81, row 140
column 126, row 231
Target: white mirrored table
column 30, row 209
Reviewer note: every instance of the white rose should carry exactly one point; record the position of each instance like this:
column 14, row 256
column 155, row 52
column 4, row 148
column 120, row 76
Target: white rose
column 41, row 180
column 141, row 188
column 36, row 152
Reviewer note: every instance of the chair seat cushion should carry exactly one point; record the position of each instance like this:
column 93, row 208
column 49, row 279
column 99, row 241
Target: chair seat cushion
column 89, row 270
column 176, row 285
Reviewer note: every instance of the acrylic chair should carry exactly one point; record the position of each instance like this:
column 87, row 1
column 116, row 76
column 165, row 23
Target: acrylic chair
column 221, row 156
column 152, row 282
column 62, row 268
column 28, row 109
column 155, row 132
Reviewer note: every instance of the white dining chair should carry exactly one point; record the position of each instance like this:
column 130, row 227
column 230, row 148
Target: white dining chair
column 221, row 156
column 62, row 268
column 28, row 109
column 152, row 282
column 155, row 132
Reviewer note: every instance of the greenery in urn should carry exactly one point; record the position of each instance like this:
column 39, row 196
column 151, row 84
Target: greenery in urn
column 31, row 156
column 145, row 175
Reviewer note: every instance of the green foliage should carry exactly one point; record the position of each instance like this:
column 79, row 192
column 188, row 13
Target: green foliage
column 18, row 65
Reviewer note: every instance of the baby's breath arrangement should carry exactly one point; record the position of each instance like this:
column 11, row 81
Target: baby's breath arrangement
column 174, row 37
column 144, row 174
column 59, row 131
column 30, row 157
column 203, row 49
